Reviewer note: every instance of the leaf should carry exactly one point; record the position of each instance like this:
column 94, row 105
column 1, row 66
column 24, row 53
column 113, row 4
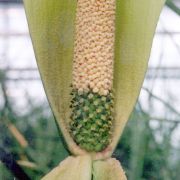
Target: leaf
column 76, row 168
column 135, row 26
column 109, row 169
column 51, row 25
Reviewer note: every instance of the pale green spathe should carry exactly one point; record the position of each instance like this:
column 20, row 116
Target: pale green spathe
column 76, row 168
column 136, row 21
column 51, row 25
column 109, row 169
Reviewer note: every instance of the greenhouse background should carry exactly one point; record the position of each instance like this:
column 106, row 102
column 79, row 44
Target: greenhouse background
column 150, row 146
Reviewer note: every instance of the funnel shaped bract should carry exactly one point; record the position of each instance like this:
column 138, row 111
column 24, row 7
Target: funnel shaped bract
column 51, row 24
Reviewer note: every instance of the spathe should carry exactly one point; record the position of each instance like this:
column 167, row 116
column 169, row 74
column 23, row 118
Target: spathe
column 51, row 24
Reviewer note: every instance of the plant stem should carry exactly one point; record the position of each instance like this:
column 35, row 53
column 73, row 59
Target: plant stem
column 8, row 160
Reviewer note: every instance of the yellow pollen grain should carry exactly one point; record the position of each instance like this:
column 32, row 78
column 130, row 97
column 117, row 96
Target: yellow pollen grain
column 94, row 45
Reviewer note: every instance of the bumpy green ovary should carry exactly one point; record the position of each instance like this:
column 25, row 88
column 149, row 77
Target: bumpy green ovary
column 91, row 120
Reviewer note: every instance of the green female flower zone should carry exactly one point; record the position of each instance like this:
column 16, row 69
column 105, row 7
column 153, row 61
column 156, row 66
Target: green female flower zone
column 92, row 56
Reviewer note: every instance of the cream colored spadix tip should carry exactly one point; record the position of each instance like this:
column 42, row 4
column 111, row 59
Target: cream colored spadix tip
column 94, row 45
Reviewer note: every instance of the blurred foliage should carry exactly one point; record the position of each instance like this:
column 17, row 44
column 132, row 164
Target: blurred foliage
column 45, row 148
column 143, row 155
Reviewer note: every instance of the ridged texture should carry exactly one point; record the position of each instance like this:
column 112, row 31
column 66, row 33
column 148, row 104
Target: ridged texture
column 91, row 120
column 94, row 45
column 92, row 100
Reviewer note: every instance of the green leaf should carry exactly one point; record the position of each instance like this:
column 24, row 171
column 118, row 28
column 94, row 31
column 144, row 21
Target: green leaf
column 135, row 26
column 76, row 168
column 51, row 25
column 109, row 169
